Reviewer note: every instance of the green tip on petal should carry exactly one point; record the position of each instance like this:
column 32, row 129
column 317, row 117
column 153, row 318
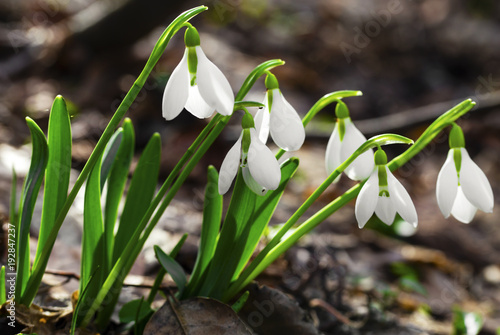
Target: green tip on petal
column 247, row 121
column 456, row 138
column 341, row 110
column 271, row 81
column 380, row 157
column 191, row 37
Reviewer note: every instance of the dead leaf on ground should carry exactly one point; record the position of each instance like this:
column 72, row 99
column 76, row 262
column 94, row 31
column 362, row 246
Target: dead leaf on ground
column 197, row 316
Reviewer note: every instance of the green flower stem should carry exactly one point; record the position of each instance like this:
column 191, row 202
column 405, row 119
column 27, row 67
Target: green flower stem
column 136, row 242
column 427, row 136
column 371, row 143
column 40, row 264
column 322, row 103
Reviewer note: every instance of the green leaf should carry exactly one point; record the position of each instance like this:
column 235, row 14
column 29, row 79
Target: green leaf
column 13, row 215
column 134, row 310
column 82, row 300
column 140, row 194
column 93, row 252
column 466, row 323
column 172, row 267
column 162, row 272
column 109, row 155
column 245, row 222
column 116, row 183
column 29, row 195
column 212, row 216
column 3, row 292
column 58, row 170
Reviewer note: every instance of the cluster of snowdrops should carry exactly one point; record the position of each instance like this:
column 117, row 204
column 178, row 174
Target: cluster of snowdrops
column 201, row 88
column 114, row 235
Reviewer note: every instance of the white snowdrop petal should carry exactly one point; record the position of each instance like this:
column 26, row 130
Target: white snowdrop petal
column 176, row 91
column 447, row 185
column 362, row 166
column 262, row 163
column 401, row 199
column 213, row 85
column 262, row 123
column 251, row 183
column 385, row 210
column 462, row 209
column 367, row 200
column 229, row 167
column 196, row 105
column 332, row 155
column 475, row 185
column 285, row 125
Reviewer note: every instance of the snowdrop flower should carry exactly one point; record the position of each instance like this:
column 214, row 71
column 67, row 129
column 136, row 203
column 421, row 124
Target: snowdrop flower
column 279, row 118
column 196, row 84
column 260, row 169
column 345, row 139
column 384, row 195
column 462, row 187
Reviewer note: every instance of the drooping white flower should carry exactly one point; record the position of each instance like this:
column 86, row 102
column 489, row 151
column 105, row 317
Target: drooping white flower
column 279, row 118
column 345, row 139
column 260, row 169
column 462, row 187
column 384, row 195
column 196, row 84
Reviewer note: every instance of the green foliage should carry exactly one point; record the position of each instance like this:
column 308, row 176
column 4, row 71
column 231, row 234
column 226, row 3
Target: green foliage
column 29, row 195
column 246, row 219
column 172, row 267
column 212, row 216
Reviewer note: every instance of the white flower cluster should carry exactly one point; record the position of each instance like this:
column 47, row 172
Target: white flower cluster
column 197, row 85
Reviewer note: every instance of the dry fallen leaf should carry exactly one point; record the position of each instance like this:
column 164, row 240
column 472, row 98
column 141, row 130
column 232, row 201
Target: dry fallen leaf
column 197, row 316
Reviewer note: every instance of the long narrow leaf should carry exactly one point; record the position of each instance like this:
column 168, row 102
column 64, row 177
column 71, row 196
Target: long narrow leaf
column 140, row 194
column 30, row 191
column 93, row 253
column 162, row 272
column 58, row 169
column 172, row 267
column 116, row 182
column 109, row 155
column 246, row 219
column 13, row 215
column 212, row 216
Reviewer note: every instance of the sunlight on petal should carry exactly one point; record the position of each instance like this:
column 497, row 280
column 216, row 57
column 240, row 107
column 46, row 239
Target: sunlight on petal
column 332, row 157
column 285, row 124
column 362, row 166
column 447, row 185
column 213, row 85
column 475, row 185
column 386, row 210
column 176, row 92
column 263, row 165
column 462, row 209
column 367, row 200
column 229, row 167
column 401, row 199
